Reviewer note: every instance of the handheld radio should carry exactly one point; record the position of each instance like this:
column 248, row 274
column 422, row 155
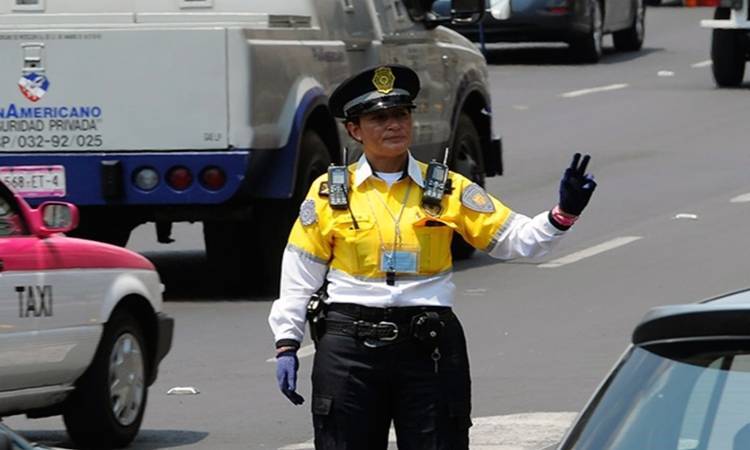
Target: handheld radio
column 338, row 184
column 435, row 182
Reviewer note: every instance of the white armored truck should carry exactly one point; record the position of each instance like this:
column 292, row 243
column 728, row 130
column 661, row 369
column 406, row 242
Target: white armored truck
column 730, row 41
column 216, row 110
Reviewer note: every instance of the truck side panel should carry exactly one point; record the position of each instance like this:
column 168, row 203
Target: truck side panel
column 128, row 89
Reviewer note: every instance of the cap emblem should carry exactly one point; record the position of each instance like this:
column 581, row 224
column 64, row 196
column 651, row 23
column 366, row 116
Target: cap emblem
column 383, row 80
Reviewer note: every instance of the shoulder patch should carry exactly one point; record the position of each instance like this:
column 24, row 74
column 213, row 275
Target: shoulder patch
column 476, row 199
column 307, row 214
column 323, row 190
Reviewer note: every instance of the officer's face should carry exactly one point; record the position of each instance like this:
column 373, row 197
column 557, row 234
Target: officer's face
column 385, row 133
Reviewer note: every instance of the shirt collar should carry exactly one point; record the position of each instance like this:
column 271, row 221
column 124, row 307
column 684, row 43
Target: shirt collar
column 363, row 171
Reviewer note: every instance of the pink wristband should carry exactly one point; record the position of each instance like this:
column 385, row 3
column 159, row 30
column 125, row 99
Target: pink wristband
column 564, row 219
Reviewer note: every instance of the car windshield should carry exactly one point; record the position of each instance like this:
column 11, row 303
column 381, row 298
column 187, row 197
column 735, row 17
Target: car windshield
column 674, row 396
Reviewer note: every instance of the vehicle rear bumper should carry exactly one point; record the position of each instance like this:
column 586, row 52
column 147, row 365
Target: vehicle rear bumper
column 108, row 178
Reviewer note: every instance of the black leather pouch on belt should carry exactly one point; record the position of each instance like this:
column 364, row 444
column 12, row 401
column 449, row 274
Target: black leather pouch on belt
column 426, row 327
column 316, row 314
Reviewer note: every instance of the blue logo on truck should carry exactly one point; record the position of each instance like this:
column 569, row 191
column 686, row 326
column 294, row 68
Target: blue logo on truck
column 33, row 86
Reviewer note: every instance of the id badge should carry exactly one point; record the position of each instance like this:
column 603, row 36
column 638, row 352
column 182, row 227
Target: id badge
column 399, row 261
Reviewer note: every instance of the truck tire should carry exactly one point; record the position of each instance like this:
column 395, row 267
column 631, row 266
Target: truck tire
column 274, row 218
column 104, row 227
column 587, row 48
column 466, row 160
column 97, row 416
column 631, row 39
column 229, row 247
column 728, row 49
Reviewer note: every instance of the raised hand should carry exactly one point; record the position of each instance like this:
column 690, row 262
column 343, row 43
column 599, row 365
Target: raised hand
column 576, row 186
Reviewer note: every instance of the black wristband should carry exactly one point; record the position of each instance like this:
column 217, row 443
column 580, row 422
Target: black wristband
column 555, row 223
column 287, row 343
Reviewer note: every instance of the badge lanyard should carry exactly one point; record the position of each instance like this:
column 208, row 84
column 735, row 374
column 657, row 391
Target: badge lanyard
column 391, row 273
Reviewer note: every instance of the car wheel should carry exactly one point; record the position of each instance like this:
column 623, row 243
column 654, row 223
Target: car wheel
column 466, row 160
column 631, row 39
column 313, row 161
column 106, row 409
column 728, row 48
column 588, row 48
column 653, row 2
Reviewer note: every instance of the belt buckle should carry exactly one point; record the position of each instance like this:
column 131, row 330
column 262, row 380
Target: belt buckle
column 382, row 341
column 395, row 330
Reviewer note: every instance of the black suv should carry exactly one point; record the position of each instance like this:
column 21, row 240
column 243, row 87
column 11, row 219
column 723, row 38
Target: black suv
column 580, row 23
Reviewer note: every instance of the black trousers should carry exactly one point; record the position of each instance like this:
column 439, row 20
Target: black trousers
column 358, row 391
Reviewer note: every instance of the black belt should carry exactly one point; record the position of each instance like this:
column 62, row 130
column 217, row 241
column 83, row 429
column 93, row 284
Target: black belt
column 382, row 324
column 382, row 331
column 399, row 314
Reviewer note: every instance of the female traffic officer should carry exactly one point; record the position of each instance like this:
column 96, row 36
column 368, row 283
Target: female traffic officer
column 391, row 349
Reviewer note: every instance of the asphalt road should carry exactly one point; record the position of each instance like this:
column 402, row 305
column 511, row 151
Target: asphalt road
column 666, row 225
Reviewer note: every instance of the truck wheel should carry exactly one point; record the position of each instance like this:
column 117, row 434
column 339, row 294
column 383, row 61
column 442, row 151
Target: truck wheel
column 588, row 47
column 106, row 409
column 728, row 49
column 103, row 227
column 229, row 247
column 274, row 218
column 466, row 160
column 631, row 39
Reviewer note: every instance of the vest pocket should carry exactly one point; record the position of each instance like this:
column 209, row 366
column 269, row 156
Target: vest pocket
column 355, row 249
column 434, row 246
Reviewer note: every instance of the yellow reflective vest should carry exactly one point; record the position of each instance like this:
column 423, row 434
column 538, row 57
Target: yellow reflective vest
column 330, row 236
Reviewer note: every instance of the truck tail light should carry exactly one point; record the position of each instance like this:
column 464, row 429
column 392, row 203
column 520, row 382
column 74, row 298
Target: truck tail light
column 213, row 178
column 146, row 178
column 179, row 178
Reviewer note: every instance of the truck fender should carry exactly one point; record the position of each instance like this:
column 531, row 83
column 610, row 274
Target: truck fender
column 473, row 99
column 276, row 180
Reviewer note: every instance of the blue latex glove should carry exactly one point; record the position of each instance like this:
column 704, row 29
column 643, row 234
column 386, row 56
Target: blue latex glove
column 576, row 186
column 286, row 374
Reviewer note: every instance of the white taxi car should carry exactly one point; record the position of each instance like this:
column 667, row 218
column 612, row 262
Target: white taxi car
column 81, row 328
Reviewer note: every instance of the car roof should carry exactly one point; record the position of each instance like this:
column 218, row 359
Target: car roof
column 724, row 316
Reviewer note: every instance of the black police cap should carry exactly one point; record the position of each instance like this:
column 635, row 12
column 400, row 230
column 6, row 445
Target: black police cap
column 373, row 89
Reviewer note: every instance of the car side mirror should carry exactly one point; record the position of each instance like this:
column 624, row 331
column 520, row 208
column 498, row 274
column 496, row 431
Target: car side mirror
column 54, row 217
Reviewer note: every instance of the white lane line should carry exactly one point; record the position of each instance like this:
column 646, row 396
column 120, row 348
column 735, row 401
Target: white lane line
column 611, row 87
column 301, row 353
column 741, row 198
column 529, row 431
column 705, row 63
column 591, row 251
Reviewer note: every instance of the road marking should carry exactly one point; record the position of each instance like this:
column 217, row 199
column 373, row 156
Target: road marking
column 529, row 431
column 686, row 216
column 705, row 63
column 665, row 73
column 595, row 250
column 611, row 87
column 741, row 198
column 301, row 353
